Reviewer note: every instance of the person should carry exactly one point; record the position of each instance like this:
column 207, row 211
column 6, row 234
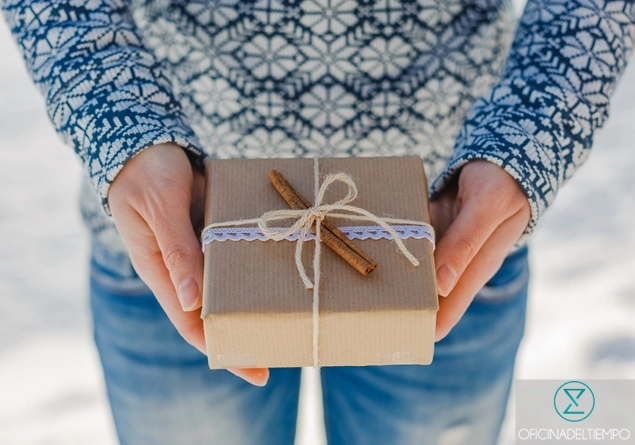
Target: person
column 144, row 90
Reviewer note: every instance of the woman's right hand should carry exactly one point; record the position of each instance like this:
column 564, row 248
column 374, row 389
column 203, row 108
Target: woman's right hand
column 154, row 201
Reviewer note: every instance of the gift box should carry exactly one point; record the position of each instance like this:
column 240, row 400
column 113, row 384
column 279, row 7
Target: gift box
column 258, row 311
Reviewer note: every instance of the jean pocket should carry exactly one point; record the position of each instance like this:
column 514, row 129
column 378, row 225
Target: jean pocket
column 112, row 272
column 509, row 282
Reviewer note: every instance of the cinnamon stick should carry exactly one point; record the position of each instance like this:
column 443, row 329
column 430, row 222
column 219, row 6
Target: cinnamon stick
column 330, row 234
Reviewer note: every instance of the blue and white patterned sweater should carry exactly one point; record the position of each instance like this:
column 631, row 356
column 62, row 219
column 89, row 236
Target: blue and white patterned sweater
column 286, row 78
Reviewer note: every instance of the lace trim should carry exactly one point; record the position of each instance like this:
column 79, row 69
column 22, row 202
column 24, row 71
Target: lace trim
column 353, row 232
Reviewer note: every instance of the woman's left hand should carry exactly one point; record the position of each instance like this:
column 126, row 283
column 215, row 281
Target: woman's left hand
column 478, row 220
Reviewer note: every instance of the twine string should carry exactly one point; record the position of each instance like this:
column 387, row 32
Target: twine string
column 319, row 194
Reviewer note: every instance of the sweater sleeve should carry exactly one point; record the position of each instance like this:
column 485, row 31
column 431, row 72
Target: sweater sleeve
column 106, row 95
column 538, row 121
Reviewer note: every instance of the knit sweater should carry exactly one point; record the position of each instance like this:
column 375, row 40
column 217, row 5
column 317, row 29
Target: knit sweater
column 283, row 78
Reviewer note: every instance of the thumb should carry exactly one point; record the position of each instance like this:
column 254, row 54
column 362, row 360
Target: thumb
column 181, row 252
column 167, row 211
column 461, row 242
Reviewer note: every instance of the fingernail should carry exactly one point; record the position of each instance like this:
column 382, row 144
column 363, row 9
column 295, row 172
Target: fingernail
column 261, row 379
column 446, row 279
column 188, row 294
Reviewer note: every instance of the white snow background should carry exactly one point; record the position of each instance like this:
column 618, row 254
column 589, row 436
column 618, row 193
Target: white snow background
column 582, row 307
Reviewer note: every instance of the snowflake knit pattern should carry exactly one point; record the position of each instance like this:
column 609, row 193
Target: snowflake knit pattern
column 286, row 78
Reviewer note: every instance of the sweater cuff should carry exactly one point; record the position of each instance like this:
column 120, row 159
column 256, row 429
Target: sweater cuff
column 127, row 134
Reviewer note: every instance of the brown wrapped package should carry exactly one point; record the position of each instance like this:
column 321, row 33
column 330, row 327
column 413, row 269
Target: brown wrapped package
column 256, row 309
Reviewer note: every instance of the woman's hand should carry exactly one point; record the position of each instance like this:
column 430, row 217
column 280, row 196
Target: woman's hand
column 478, row 220
column 156, row 201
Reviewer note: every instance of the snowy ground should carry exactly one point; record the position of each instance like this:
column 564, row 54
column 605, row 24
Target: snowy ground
column 582, row 310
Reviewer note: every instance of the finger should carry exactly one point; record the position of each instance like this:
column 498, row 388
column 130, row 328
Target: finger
column 462, row 241
column 147, row 260
column 486, row 263
column 255, row 376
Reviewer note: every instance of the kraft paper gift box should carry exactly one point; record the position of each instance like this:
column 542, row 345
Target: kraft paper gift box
column 256, row 309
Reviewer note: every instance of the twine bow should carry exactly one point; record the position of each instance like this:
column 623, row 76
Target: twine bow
column 305, row 219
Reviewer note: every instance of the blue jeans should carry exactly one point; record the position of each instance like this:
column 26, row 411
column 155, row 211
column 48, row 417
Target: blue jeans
column 162, row 392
